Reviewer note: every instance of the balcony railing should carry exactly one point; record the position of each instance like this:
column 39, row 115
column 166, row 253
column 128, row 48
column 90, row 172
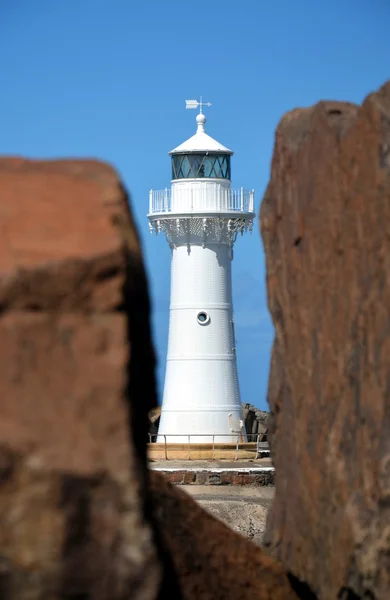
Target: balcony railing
column 189, row 442
column 207, row 199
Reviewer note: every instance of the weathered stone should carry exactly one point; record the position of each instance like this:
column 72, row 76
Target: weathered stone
column 153, row 423
column 256, row 422
column 214, row 479
column 189, row 477
column 74, row 328
column 232, row 477
column 325, row 222
column 212, row 562
column 226, row 478
column 201, row 478
column 176, row 476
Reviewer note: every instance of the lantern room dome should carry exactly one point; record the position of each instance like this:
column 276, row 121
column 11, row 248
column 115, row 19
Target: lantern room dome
column 201, row 142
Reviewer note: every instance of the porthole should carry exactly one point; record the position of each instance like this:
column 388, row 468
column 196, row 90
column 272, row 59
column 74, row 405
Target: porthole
column 203, row 318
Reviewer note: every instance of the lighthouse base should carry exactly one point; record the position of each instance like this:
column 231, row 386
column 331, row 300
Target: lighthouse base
column 221, row 425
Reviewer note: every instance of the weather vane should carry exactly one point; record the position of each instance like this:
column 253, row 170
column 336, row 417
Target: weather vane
column 195, row 104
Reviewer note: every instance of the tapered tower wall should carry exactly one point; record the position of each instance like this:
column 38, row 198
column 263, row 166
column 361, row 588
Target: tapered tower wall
column 201, row 393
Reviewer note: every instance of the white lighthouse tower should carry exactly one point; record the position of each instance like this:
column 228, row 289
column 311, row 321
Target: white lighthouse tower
column 201, row 216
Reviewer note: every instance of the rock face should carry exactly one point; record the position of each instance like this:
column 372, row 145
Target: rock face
column 211, row 560
column 243, row 509
column 325, row 223
column 256, row 422
column 79, row 518
column 153, row 423
column 71, row 285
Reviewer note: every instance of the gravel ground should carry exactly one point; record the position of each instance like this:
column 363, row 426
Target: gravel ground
column 243, row 509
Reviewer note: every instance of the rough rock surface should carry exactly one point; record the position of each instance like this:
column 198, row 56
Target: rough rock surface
column 244, row 509
column 256, row 422
column 325, row 223
column 73, row 524
column 78, row 520
column 211, row 560
column 153, row 423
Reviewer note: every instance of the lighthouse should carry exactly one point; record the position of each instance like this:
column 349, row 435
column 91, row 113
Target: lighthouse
column 201, row 217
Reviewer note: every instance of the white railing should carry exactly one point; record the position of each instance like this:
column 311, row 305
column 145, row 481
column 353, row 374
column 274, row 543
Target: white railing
column 200, row 200
column 262, row 445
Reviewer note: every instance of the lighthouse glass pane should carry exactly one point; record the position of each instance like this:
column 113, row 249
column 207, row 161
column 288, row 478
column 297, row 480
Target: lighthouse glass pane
column 194, row 166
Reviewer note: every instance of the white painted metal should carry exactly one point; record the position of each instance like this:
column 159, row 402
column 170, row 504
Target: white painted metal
column 195, row 104
column 200, row 196
column 201, row 219
column 200, row 142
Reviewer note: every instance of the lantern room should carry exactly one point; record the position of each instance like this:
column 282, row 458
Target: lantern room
column 201, row 157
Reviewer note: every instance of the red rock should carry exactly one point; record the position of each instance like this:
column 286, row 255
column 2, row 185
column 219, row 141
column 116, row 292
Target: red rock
column 212, row 562
column 71, row 286
column 189, row 477
column 325, row 222
column 176, row 476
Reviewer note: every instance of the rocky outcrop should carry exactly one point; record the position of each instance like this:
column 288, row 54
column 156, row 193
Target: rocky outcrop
column 242, row 509
column 79, row 516
column 211, row 560
column 325, row 223
column 256, row 423
column 153, row 423
column 73, row 523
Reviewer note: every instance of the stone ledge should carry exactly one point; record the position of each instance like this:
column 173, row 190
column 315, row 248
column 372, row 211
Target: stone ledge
column 193, row 476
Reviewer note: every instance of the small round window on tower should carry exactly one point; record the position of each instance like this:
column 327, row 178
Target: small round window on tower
column 203, row 318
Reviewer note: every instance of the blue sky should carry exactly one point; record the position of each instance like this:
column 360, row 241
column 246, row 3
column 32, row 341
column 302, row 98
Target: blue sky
column 108, row 79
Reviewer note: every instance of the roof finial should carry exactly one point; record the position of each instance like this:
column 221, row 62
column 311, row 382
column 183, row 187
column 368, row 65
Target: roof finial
column 200, row 119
